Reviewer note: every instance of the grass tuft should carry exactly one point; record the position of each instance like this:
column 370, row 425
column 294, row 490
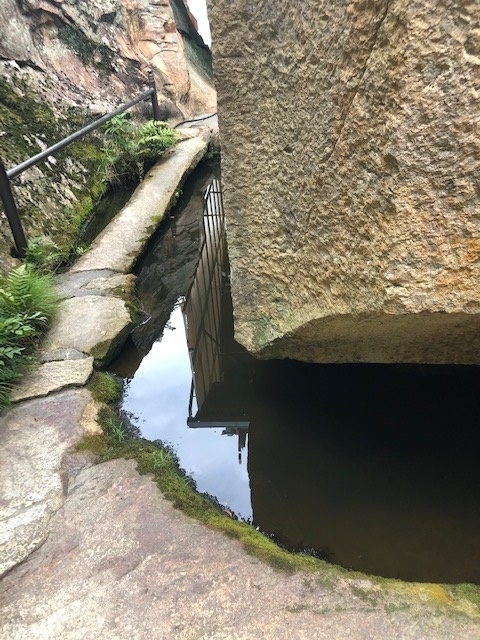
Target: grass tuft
column 105, row 387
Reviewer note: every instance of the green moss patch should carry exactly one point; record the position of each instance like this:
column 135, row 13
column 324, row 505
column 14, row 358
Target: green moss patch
column 30, row 125
column 88, row 51
column 96, row 444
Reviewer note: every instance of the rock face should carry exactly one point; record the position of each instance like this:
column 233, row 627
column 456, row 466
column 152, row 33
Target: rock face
column 65, row 62
column 99, row 50
column 351, row 177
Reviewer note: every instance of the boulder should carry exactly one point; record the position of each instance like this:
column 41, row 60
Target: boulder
column 351, row 177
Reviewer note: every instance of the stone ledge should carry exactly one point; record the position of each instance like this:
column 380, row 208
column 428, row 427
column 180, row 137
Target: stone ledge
column 96, row 325
column 53, row 376
column 119, row 245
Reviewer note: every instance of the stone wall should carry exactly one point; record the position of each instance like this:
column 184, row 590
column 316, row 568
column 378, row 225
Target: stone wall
column 351, row 169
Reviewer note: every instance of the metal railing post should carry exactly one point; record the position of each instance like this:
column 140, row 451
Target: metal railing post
column 152, row 85
column 12, row 213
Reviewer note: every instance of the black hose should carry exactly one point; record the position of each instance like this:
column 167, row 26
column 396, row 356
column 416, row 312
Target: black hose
column 196, row 119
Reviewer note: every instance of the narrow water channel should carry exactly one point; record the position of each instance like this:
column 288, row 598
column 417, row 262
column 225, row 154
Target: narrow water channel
column 372, row 467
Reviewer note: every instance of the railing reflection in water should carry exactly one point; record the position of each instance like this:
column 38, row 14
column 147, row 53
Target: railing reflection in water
column 202, row 312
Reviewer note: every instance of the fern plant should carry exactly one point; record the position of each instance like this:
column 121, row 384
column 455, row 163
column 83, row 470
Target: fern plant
column 27, row 291
column 128, row 151
column 153, row 138
column 46, row 257
column 27, row 301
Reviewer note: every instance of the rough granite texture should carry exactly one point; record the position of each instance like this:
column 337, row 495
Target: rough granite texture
column 351, row 166
column 97, row 325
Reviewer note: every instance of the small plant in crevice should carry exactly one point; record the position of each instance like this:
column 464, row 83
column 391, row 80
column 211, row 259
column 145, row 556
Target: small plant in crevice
column 117, row 428
column 42, row 253
column 27, row 302
column 161, row 459
column 152, row 139
column 46, row 257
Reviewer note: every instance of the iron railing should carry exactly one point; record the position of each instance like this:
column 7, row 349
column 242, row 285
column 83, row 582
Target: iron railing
column 6, row 194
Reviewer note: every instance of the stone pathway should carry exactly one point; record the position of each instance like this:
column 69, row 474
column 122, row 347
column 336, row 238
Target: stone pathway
column 93, row 551
column 90, row 327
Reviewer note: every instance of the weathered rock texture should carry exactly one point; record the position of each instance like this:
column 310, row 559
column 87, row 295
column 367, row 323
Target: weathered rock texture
column 121, row 563
column 53, row 376
column 351, row 166
column 36, row 437
column 96, row 52
column 65, row 62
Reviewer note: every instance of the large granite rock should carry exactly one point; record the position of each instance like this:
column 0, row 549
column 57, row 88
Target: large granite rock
column 351, row 176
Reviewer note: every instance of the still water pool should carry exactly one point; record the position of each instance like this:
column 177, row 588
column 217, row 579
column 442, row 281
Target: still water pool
column 373, row 467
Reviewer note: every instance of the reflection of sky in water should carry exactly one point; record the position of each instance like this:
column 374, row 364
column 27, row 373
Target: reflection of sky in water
column 158, row 397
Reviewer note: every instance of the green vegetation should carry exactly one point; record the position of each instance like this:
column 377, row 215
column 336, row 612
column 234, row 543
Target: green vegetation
column 45, row 256
column 129, row 151
column 122, row 152
column 116, row 429
column 29, row 126
column 105, row 387
column 27, row 301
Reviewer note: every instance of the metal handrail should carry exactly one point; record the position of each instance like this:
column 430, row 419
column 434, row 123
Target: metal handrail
column 6, row 194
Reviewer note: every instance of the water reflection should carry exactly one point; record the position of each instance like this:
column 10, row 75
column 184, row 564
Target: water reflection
column 375, row 466
column 157, row 397
column 155, row 362
column 215, row 396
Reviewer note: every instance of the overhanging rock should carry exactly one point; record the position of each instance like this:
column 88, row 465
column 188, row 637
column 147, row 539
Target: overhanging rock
column 351, row 175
